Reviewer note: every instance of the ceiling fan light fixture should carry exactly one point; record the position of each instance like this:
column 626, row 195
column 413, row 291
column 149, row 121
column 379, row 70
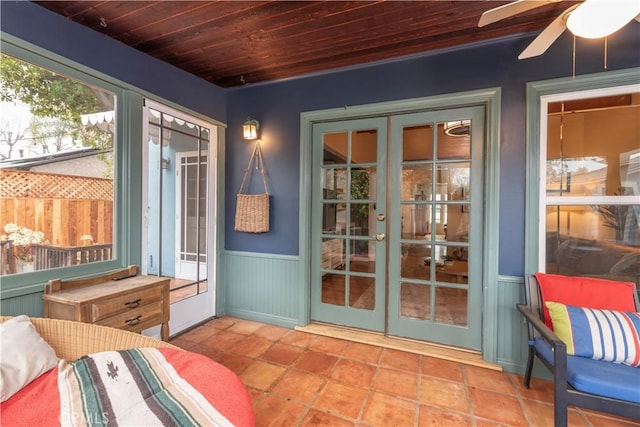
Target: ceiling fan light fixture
column 457, row 128
column 595, row 19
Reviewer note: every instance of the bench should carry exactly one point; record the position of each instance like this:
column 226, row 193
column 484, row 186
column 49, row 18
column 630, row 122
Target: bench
column 579, row 381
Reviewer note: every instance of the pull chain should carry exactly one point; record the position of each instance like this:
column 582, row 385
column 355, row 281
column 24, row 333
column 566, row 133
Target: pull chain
column 562, row 166
column 574, row 58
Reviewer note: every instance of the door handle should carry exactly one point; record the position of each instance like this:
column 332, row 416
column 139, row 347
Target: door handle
column 380, row 237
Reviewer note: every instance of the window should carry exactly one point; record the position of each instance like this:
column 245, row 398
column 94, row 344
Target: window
column 590, row 184
column 57, row 141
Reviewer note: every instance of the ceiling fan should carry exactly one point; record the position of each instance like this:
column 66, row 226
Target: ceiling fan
column 588, row 19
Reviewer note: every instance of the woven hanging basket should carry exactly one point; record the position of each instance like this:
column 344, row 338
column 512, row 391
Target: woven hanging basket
column 252, row 213
column 252, row 210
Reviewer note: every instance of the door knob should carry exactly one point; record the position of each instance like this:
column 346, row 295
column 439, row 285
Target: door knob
column 380, row 237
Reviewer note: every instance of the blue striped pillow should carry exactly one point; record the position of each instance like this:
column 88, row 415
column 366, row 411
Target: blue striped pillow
column 607, row 335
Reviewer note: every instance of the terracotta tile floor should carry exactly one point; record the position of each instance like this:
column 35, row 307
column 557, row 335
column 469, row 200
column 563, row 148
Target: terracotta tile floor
column 299, row 379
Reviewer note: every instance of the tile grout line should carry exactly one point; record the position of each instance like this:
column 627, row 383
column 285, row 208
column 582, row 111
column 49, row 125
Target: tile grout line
column 467, row 392
column 416, row 420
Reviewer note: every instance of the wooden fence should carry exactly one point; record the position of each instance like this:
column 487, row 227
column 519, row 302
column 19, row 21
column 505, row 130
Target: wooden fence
column 63, row 207
column 62, row 221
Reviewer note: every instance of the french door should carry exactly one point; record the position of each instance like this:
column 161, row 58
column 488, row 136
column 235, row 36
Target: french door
column 349, row 248
column 397, row 225
column 179, row 200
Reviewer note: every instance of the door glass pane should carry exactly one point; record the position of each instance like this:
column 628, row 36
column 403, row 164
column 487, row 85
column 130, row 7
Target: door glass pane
column 332, row 254
column 415, row 259
column 454, row 140
column 417, row 143
column 419, row 220
column 416, row 181
column 451, row 306
column 334, row 148
column 362, row 292
column 333, row 289
column 364, row 146
column 415, row 301
column 334, row 183
column 361, row 180
column 449, row 267
column 360, row 215
column 359, row 259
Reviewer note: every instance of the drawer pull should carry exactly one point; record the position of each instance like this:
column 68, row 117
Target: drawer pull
column 134, row 321
column 133, row 304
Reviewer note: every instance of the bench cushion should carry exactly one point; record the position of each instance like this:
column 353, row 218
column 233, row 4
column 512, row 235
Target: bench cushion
column 608, row 379
column 608, row 335
column 585, row 292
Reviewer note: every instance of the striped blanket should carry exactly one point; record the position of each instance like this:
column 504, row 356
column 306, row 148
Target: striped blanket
column 131, row 387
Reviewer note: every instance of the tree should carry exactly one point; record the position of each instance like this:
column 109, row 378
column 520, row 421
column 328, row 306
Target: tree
column 11, row 133
column 56, row 98
column 48, row 94
column 46, row 130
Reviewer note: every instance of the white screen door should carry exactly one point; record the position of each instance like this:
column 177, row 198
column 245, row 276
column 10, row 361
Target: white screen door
column 178, row 230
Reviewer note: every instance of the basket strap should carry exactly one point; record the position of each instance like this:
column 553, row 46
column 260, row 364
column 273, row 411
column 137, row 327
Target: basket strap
column 258, row 160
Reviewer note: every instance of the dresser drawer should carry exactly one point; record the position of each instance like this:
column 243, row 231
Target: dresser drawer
column 125, row 304
column 136, row 319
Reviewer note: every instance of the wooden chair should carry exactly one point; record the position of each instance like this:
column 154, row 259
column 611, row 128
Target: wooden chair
column 555, row 358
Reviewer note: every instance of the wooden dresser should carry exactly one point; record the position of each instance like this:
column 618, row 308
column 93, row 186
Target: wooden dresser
column 121, row 299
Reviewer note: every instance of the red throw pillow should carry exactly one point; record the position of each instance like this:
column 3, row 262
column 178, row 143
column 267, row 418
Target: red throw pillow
column 585, row 292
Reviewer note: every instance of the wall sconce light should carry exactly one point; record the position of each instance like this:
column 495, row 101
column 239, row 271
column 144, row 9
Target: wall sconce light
column 250, row 129
column 164, row 163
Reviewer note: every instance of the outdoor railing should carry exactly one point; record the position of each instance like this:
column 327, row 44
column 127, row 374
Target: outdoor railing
column 7, row 263
column 46, row 256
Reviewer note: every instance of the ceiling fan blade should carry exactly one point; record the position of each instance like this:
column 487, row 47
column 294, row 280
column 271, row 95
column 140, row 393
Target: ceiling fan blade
column 549, row 35
column 510, row 9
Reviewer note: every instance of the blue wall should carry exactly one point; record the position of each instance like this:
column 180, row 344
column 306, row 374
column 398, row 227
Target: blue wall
column 57, row 34
column 278, row 106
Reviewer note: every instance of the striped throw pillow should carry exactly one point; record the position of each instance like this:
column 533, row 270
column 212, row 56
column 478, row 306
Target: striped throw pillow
column 608, row 335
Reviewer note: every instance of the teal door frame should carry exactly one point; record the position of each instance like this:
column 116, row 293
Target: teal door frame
column 490, row 99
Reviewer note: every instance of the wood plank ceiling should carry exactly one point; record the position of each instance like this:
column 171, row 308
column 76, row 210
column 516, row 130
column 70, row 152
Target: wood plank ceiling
column 231, row 43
